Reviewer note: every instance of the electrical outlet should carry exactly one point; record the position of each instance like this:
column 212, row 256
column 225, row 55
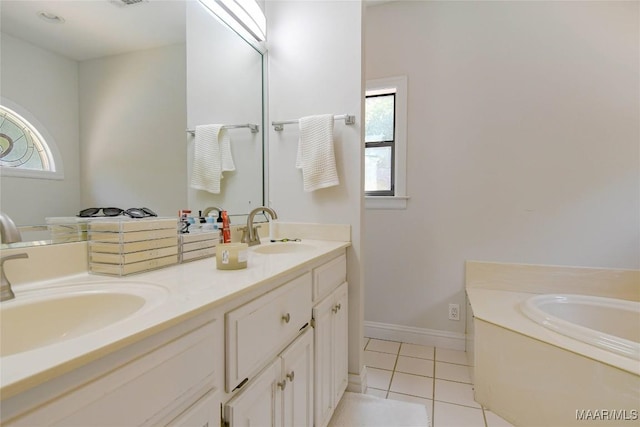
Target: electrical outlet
column 454, row 311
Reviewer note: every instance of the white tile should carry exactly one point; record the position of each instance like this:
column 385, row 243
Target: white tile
column 377, row 392
column 452, row 372
column 413, row 365
column 413, row 385
column 375, row 359
column 448, row 415
column 356, row 409
column 378, row 378
column 451, row 356
column 383, row 346
column 453, row 392
column 414, row 399
column 494, row 420
column 365, row 342
column 415, row 350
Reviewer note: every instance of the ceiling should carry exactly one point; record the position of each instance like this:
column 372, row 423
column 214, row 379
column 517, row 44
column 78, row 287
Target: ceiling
column 95, row 28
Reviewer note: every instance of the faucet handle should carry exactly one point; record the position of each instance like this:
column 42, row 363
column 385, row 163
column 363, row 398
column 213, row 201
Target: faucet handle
column 245, row 234
column 255, row 233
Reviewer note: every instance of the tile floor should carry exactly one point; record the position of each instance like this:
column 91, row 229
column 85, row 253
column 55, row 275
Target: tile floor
column 438, row 378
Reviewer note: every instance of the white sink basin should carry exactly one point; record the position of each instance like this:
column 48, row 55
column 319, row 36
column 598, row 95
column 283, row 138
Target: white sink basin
column 39, row 318
column 282, row 248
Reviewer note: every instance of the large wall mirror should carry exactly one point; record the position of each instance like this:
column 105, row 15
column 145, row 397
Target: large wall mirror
column 115, row 87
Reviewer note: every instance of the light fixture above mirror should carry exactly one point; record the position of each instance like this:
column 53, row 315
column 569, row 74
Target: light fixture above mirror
column 245, row 17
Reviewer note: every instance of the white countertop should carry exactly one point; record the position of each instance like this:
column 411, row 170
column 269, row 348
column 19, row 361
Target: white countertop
column 191, row 288
column 502, row 308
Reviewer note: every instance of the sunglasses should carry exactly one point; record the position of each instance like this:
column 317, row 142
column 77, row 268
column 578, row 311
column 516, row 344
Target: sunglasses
column 132, row 212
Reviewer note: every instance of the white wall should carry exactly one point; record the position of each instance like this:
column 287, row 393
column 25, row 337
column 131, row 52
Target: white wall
column 315, row 67
column 132, row 127
column 523, row 145
column 46, row 86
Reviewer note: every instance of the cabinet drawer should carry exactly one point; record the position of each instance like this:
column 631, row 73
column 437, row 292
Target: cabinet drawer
column 260, row 329
column 142, row 392
column 328, row 277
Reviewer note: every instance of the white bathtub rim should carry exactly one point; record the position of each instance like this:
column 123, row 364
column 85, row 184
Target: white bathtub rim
column 618, row 345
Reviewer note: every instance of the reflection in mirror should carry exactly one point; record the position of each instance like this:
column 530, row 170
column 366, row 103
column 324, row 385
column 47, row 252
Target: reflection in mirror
column 218, row 94
column 113, row 89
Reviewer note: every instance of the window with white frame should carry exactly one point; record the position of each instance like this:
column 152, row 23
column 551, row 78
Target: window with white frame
column 24, row 152
column 385, row 143
column 379, row 139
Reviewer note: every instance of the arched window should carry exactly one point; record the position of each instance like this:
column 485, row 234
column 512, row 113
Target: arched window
column 23, row 149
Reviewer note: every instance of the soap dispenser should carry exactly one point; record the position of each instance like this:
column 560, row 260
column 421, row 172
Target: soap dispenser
column 220, row 223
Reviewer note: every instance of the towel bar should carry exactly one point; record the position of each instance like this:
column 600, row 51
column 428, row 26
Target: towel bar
column 348, row 120
column 254, row 128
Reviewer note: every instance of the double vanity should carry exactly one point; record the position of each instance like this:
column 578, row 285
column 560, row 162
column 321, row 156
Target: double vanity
column 187, row 345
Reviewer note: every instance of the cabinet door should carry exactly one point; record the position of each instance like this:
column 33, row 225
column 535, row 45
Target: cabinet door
column 260, row 404
column 341, row 342
column 323, row 349
column 297, row 372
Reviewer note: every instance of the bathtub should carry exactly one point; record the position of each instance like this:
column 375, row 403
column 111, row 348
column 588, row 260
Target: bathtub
column 607, row 323
column 537, row 363
column 546, row 351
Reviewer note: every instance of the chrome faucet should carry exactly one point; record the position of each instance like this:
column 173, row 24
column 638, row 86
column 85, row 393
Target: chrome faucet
column 5, row 287
column 9, row 233
column 209, row 209
column 250, row 232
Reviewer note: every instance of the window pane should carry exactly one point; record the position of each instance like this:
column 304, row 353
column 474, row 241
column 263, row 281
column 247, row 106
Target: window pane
column 20, row 145
column 377, row 169
column 379, row 117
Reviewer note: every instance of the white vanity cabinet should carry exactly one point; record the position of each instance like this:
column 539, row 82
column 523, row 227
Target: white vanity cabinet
column 282, row 394
column 149, row 383
column 297, row 366
column 330, row 318
column 331, row 343
column 259, row 330
column 274, row 354
column 260, row 403
column 304, row 383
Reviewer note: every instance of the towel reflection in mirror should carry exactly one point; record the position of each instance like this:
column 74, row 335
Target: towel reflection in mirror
column 212, row 157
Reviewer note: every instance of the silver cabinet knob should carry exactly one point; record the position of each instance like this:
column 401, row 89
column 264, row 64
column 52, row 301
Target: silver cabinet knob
column 291, row 376
column 282, row 384
column 286, row 318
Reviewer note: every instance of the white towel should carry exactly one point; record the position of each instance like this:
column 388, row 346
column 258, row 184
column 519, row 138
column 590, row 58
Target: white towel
column 316, row 156
column 212, row 156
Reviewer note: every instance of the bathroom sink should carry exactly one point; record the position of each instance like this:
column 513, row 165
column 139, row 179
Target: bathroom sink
column 40, row 318
column 282, row 248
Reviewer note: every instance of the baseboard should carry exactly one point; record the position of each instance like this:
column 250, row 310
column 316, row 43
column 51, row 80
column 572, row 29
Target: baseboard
column 358, row 382
column 413, row 335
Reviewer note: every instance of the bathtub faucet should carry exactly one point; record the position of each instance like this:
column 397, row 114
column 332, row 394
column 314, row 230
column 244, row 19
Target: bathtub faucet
column 5, row 286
